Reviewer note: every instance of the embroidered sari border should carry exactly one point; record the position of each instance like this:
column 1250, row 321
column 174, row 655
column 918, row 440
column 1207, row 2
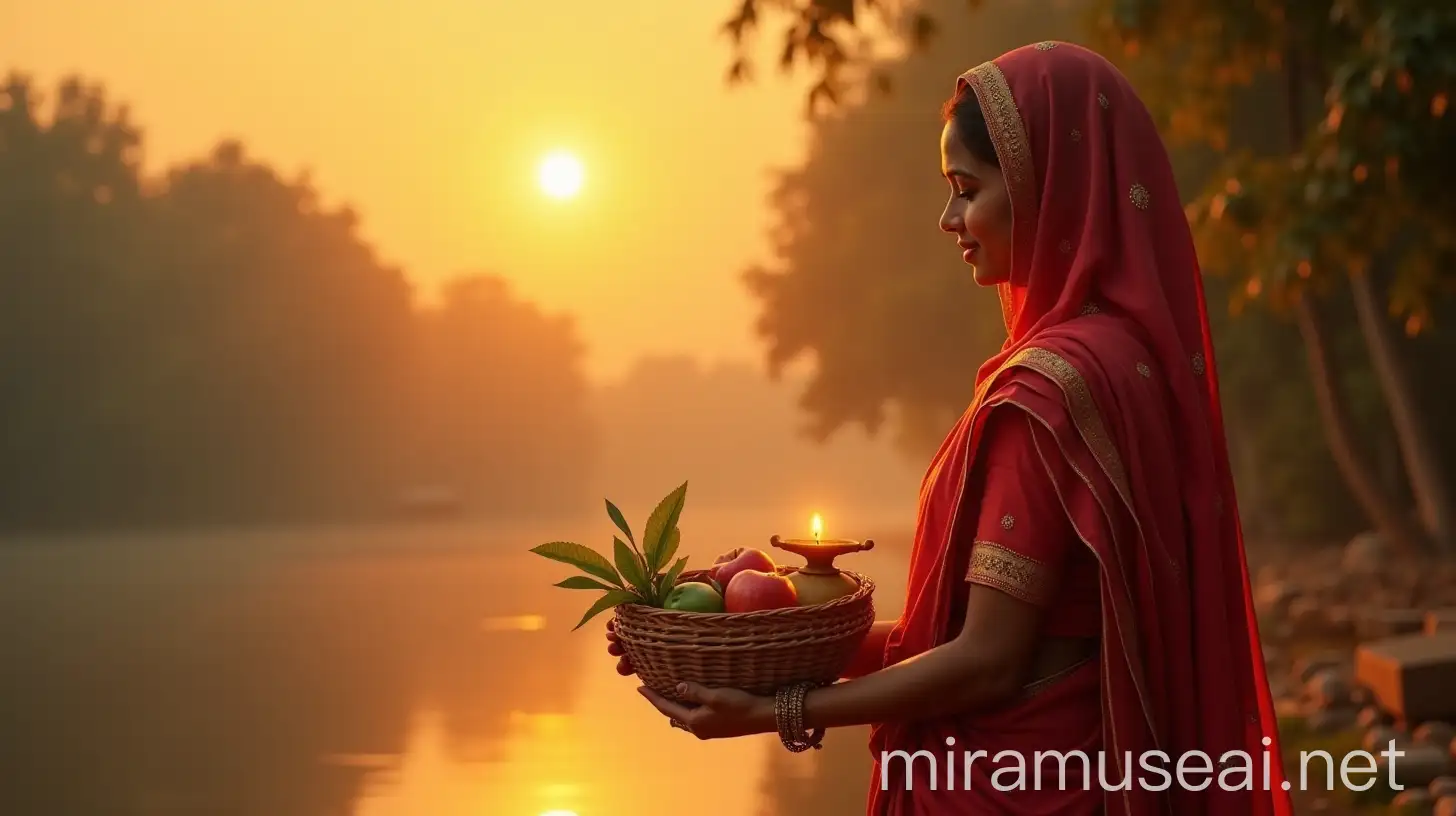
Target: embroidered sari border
column 1019, row 576
column 1084, row 413
column 1013, row 150
column 1008, row 135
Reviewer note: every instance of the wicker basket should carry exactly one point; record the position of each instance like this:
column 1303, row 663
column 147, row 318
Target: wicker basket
column 758, row 652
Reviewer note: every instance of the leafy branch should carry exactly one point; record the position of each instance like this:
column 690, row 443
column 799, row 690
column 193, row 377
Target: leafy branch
column 633, row 574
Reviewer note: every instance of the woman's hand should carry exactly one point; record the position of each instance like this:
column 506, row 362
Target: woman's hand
column 614, row 648
column 716, row 713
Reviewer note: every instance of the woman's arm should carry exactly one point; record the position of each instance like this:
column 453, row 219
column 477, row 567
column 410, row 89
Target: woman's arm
column 1018, row 544
column 870, row 657
column 1021, row 538
column 984, row 665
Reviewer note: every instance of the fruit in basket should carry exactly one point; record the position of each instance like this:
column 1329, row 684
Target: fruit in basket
column 733, row 562
column 635, row 574
column 755, row 590
column 694, row 596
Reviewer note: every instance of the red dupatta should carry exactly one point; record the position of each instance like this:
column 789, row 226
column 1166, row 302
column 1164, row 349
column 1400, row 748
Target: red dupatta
column 1106, row 302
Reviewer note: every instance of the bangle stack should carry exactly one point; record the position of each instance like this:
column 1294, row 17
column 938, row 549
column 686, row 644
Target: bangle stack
column 789, row 715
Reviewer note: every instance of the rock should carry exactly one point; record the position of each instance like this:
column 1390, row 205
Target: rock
column 1273, row 598
column 1417, row 767
column 1371, row 717
column 1307, row 667
column 1380, row 623
column 1434, row 733
column 1413, row 802
column 1331, row 720
column 1341, row 620
column 1380, row 737
column 1362, row 696
column 1279, row 631
column 1411, row 676
column 1307, row 615
column 1443, row 786
column 1366, row 553
column 1289, row 706
column 1328, row 688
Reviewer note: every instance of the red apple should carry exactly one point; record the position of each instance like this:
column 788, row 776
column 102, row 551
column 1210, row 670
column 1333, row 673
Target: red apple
column 752, row 590
column 731, row 563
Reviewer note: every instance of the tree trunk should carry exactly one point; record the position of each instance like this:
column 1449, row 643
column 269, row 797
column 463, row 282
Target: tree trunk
column 1356, row 469
column 1424, row 470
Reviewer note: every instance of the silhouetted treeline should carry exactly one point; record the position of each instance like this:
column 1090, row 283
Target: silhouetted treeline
column 213, row 345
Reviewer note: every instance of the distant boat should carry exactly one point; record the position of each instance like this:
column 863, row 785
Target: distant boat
column 429, row 501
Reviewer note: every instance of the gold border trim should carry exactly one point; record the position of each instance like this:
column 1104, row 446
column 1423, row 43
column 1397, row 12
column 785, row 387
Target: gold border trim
column 1122, row 618
column 1084, row 413
column 1020, row 576
column 1008, row 134
column 1036, row 687
column 1122, row 624
column 1013, row 149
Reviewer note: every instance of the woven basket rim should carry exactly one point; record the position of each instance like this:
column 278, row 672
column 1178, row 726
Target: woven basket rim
column 866, row 588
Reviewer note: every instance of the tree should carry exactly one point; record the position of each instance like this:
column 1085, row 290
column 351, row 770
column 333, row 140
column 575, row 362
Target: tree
column 70, row 207
column 501, row 401
column 271, row 349
column 861, row 276
column 215, row 346
column 1331, row 209
column 1389, row 75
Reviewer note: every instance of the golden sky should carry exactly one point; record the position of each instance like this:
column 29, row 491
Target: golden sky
column 430, row 116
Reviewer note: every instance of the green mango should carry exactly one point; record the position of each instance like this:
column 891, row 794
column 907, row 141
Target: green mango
column 694, row 596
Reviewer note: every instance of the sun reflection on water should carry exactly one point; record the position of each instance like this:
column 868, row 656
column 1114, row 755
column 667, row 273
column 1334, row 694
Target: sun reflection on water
column 589, row 762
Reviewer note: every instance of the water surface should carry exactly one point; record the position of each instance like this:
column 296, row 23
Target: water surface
column 424, row 670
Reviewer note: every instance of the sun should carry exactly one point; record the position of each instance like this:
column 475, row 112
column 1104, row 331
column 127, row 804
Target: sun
column 561, row 175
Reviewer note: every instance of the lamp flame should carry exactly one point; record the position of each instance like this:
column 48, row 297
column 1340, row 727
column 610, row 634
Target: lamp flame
column 816, row 524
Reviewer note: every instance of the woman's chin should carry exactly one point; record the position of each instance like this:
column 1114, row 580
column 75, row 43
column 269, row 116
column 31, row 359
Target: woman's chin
column 984, row 277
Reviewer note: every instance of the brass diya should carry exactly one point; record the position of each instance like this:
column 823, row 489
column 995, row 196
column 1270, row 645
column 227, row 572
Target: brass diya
column 819, row 581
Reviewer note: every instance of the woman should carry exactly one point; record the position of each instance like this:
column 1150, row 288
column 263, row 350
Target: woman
column 1077, row 581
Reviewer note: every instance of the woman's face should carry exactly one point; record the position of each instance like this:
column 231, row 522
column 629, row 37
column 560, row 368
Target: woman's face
column 979, row 211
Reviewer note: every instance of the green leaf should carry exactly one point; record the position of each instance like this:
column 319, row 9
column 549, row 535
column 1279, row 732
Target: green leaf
column 631, row 568
column 620, row 520
column 614, row 597
column 583, row 558
column 670, row 548
column 582, row 582
column 658, row 534
column 669, row 579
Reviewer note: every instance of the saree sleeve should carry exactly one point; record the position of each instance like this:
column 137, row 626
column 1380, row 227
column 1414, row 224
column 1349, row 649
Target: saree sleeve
column 1023, row 538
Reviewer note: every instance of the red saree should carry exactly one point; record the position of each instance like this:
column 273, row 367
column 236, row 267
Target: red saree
column 1108, row 379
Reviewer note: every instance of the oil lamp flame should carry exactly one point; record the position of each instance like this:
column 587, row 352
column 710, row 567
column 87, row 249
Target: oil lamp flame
column 816, row 524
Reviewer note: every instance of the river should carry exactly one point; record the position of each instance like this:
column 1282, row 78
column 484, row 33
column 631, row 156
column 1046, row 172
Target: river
column 410, row 670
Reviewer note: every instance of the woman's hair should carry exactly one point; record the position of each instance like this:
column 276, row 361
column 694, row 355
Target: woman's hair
column 970, row 124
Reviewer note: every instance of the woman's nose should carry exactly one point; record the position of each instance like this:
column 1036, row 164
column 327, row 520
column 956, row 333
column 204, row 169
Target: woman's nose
column 949, row 222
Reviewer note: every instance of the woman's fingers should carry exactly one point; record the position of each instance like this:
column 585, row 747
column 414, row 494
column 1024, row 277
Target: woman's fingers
column 614, row 648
